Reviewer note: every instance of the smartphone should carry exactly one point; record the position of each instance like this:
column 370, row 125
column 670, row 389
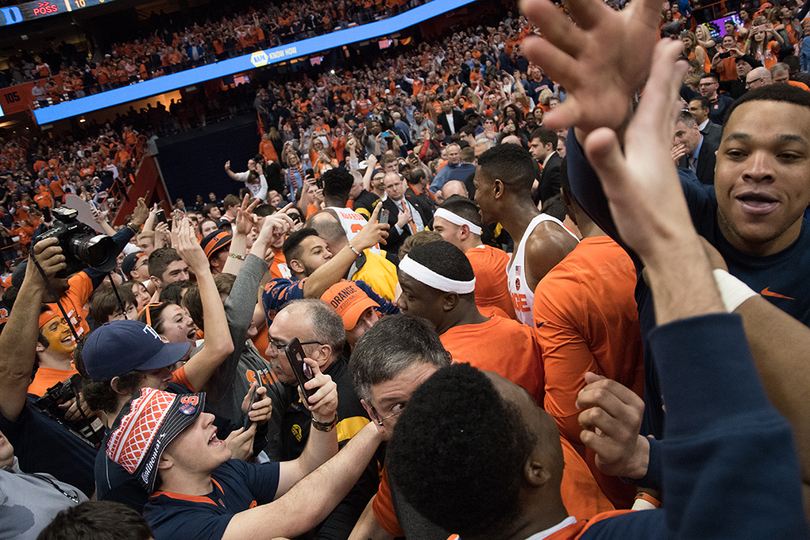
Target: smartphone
column 386, row 134
column 46, row 214
column 319, row 182
column 760, row 28
column 303, row 373
column 160, row 216
column 254, row 397
column 383, row 217
column 725, row 54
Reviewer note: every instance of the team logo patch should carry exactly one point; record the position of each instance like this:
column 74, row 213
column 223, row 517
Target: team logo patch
column 188, row 409
column 517, row 284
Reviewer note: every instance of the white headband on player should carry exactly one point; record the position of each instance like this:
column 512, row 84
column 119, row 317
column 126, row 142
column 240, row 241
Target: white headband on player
column 456, row 219
column 425, row 275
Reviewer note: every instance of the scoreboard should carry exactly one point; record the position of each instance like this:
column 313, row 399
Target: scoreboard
column 39, row 9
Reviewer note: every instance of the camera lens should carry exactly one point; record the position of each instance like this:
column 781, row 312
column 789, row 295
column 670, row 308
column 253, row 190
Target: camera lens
column 97, row 251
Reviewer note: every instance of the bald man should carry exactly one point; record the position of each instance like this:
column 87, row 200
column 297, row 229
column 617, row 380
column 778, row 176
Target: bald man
column 757, row 78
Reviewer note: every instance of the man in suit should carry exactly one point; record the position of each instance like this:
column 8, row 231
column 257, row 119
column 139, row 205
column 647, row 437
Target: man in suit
column 543, row 149
column 691, row 150
column 699, row 107
column 406, row 216
column 451, row 119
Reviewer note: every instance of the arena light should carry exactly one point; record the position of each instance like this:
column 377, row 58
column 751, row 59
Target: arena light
column 246, row 62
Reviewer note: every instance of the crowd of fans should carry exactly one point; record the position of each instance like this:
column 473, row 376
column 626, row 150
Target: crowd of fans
column 446, row 300
column 172, row 43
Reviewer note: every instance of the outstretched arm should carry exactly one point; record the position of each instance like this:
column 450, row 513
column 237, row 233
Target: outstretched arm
column 19, row 338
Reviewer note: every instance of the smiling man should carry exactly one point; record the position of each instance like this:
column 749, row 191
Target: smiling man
column 753, row 215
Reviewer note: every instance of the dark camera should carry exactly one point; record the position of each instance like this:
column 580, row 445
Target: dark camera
column 80, row 244
column 91, row 429
column 319, row 182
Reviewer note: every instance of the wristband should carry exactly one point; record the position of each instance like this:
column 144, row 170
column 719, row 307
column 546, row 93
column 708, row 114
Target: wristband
column 133, row 228
column 645, row 501
column 326, row 427
column 733, row 291
column 235, row 256
column 356, row 253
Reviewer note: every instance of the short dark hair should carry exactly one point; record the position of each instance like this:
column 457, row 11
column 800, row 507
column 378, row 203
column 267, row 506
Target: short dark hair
column 160, row 259
column 478, row 446
column 173, row 292
column 554, row 207
column 705, row 103
column 230, row 200
column 392, row 345
column 206, row 211
column 416, row 176
column 710, row 75
column 510, row 163
column 99, row 520
column 464, row 207
column 337, row 183
column 545, row 135
column 104, row 302
column 445, row 259
column 193, row 302
column 154, row 312
column 293, row 242
column 773, row 92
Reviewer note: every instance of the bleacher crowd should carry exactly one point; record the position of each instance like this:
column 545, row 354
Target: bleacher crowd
column 486, row 288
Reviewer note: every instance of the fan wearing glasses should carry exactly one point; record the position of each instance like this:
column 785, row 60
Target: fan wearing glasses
column 320, row 330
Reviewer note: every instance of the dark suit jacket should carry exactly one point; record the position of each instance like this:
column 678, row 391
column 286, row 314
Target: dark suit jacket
column 705, row 163
column 712, row 132
column 395, row 239
column 458, row 121
column 550, row 178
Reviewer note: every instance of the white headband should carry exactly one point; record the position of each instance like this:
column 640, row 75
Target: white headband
column 425, row 275
column 456, row 219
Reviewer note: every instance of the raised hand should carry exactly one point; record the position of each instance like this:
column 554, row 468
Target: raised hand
column 372, row 233
column 601, row 60
column 245, row 219
column 189, row 249
column 323, row 403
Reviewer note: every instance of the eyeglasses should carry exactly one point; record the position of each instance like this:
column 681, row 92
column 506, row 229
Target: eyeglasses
column 381, row 421
column 749, row 83
column 280, row 346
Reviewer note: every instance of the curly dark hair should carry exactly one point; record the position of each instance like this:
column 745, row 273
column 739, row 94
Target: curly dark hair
column 458, row 452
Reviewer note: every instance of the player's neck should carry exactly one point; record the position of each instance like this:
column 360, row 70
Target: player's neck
column 463, row 314
column 517, row 220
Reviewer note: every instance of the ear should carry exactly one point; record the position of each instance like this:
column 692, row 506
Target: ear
column 296, row 266
column 497, row 188
column 535, row 472
column 165, row 463
column 40, row 348
column 156, row 281
column 449, row 301
column 464, row 232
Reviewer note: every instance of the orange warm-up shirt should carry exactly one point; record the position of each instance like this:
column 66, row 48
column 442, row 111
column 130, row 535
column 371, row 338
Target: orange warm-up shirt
column 580, row 493
column 504, row 346
column 47, row 377
column 489, row 264
column 74, row 300
column 587, row 320
column 267, row 149
column 279, row 268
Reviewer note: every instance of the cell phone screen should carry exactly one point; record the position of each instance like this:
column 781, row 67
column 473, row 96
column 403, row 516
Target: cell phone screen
column 254, row 397
column 383, row 217
column 303, row 373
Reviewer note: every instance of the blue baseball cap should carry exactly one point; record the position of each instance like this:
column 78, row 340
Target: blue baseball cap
column 121, row 346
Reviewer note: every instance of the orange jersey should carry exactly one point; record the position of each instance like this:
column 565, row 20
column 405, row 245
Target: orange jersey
column 47, row 377
column 489, row 265
column 587, row 320
column 482, row 345
column 279, row 268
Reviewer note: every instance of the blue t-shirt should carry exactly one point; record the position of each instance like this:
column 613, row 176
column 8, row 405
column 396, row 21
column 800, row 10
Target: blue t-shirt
column 238, row 486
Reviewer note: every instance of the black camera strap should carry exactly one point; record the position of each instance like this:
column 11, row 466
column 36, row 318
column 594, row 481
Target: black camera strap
column 53, row 294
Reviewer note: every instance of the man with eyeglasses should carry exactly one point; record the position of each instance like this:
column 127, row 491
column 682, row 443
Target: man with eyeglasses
column 708, row 86
column 757, row 78
column 390, row 362
column 320, row 330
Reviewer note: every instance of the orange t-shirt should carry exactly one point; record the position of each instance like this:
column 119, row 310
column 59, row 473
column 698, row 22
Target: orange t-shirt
column 489, row 265
column 267, row 149
column 279, row 268
column 580, row 493
column 587, row 320
column 47, row 377
column 482, row 345
column 74, row 300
